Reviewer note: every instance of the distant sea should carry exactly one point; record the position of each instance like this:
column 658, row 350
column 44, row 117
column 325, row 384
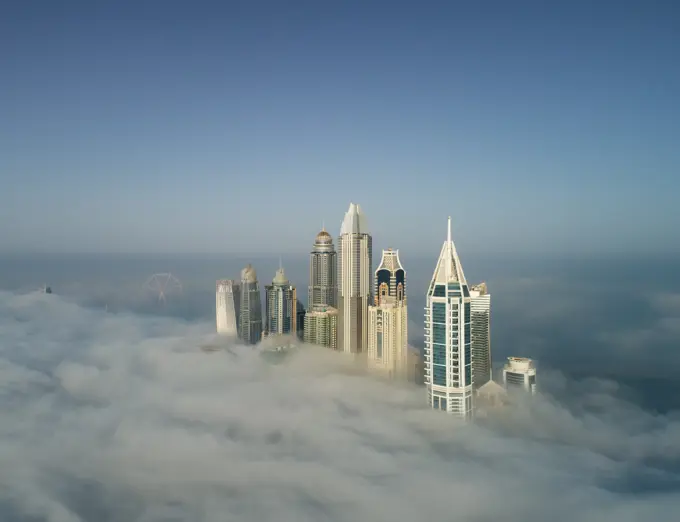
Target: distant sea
column 614, row 317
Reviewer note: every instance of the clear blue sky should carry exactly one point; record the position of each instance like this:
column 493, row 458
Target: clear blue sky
column 241, row 126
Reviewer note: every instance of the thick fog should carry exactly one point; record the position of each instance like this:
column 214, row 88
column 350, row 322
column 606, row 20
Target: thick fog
column 126, row 417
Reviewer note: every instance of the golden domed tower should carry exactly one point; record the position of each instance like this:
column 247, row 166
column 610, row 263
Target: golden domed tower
column 323, row 282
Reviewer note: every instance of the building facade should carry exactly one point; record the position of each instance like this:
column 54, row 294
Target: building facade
column 355, row 260
column 227, row 306
column 323, row 270
column 448, row 353
column 300, row 322
column 280, row 306
column 251, row 307
column 388, row 319
column 519, row 373
column 480, row 307
column 321, row 326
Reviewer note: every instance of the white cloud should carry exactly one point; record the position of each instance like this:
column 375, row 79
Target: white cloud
column 124, row 418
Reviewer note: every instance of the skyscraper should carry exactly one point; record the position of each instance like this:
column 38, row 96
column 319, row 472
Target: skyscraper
column 251, row 307
column 519, row 373
column 280, row 306
column 355, row 262
column 448, row 355
column 480, row 306
column 300, row 322
column 321, row 326
column 388, row 318
column 323, row 281
column 227, row 304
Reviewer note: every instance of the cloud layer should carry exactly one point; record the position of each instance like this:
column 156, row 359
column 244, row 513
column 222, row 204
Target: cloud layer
column 115, row 417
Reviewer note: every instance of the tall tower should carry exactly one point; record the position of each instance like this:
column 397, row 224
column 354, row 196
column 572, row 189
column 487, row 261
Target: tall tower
column 251, row 307
column 355, row 262
column 388, row 318
column 281, row 306
column 323, row 280
column 480, row 300
column 448, row 355
column 227, row 304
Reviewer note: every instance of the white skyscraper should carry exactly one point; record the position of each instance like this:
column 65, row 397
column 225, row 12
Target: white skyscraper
column 388, row 318
column 448, row 355
column 520, row 374
column 480, row 300
column 227, row 302
column 355, row 259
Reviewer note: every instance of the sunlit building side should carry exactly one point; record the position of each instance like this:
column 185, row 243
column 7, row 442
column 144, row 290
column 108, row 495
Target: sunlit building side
column 321, row 326
column 227, row 305
column 388, row 319
column 355, row 255
column 480, row 306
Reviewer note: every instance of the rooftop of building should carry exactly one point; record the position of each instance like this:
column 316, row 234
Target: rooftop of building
column 321, row 310
column 519, row 364
column 248, row 274
column 355, row 221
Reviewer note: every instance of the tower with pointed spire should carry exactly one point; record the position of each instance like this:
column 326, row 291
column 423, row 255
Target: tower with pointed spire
column 355, row 259
column 280, row 306
column 388, row 318
column 448, row 355
column 323, row 280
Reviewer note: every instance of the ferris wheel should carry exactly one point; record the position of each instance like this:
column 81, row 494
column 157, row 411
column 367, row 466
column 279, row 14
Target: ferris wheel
column 162, row 285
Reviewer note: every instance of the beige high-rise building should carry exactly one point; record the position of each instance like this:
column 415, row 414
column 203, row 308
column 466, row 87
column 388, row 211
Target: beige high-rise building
column 355, row 259
column 321, row 326
column 388, row 319
column 480, row 339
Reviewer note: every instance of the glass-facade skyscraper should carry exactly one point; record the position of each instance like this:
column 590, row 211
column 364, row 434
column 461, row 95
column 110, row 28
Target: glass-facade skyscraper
column 251, row 307
column 448, row 352
column 280, row 306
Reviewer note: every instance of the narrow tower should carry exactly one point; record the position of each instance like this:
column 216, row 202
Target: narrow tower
column 388, row 318
column 355, row 257
column 251, row 307
column 281, row 306
column 227, row 304
column 480, row 300
column 448, row 356
column 323, row 281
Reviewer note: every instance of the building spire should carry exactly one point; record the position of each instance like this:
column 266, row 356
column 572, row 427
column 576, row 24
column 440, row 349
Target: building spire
column 323, row 225
column 280, row 264
column 449, row 253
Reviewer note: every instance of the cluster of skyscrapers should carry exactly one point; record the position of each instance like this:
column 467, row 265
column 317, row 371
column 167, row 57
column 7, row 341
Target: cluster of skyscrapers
column 354, row 310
